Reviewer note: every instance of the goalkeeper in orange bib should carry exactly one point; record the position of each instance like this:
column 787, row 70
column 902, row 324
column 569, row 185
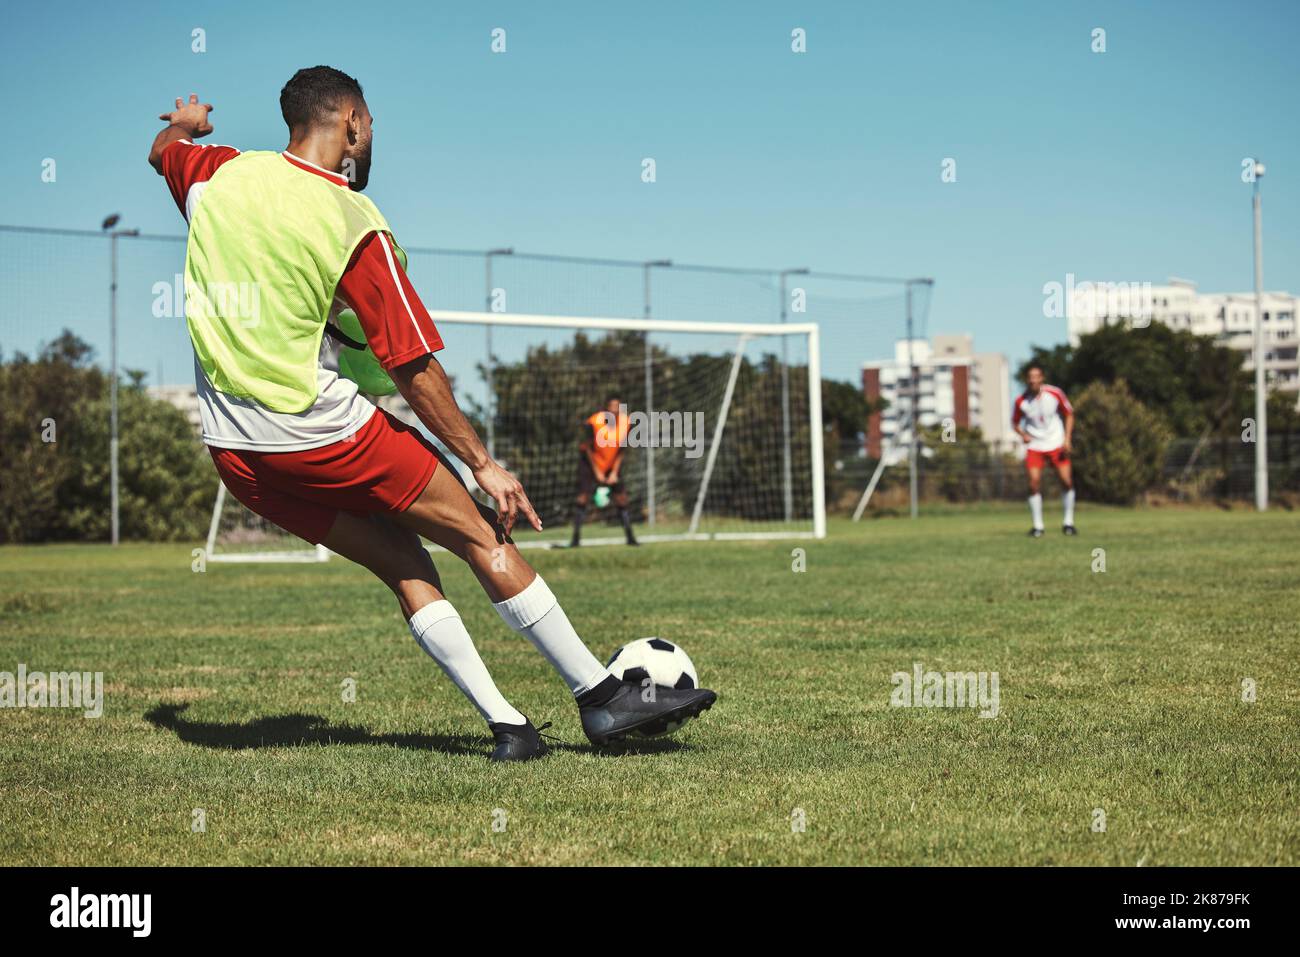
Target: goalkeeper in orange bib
column 600, row 463
column 280, row 243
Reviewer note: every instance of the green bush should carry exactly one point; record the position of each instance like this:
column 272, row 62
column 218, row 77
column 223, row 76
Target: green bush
column 1119, row 444
column 958, row 464
column 59, row 490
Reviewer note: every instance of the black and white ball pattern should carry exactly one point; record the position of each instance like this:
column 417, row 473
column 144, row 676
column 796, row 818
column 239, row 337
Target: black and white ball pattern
column 664, row 663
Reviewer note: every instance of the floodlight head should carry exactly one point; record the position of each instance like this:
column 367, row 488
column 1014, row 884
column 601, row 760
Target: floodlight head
column 1259, row 170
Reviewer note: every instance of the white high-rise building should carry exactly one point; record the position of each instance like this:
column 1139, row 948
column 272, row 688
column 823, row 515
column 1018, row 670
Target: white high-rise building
column 953, row 382
column 1228, row 318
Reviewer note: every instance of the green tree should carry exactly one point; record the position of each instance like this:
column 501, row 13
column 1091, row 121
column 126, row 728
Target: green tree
column 54, row 473
column 958, row 463
column 1196, row 385
column 1119, row 444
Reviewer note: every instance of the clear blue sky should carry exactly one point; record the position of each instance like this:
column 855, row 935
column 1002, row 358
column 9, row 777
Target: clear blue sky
column 1123, row 165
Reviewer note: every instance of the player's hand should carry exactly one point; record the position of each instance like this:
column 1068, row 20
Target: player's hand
column 508, row 493
column 1069, row 445
column 192, row 116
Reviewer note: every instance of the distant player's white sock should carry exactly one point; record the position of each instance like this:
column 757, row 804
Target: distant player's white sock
column 536, row 614
column 441, row 633
column 1036, row 509
column 1069, row 507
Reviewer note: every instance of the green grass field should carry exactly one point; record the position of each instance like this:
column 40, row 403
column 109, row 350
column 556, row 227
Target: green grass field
column 1120, row 691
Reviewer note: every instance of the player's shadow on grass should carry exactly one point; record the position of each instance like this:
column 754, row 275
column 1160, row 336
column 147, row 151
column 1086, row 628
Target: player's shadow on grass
column 297, row 730
column 301, row 730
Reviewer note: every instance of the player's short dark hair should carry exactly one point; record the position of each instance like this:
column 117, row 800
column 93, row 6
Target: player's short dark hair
column 1035, row 365
column 314, row 94
column 612, row 397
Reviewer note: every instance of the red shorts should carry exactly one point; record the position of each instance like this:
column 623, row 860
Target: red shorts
column 383, row 467
column 1057, row 457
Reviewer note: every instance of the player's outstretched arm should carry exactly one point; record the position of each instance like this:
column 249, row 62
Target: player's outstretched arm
column 424, row 385
column 188, row 121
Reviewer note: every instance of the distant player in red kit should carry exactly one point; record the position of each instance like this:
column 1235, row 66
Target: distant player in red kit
column 1044, row 419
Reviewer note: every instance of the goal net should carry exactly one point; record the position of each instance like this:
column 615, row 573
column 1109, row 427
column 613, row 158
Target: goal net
column 723, row 441
column 721, row 438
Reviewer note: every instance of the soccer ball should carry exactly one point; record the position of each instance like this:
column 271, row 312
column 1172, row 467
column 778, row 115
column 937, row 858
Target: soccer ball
column 664, row 663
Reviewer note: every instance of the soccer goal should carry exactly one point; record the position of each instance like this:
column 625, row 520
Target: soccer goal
column 724, row 438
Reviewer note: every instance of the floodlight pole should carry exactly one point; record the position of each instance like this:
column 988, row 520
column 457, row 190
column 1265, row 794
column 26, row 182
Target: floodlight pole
column 112, row 392
column 491, row 388
column 787, row 474
column 914, row 388
column 650, row 393
column 113, row 472
column 1261, row 398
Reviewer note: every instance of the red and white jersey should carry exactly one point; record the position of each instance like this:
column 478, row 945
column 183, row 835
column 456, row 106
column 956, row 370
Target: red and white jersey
column 374, row 286
column 1042, row 416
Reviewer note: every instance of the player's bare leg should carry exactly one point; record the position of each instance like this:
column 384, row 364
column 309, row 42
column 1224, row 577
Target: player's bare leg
column 447, row 515
column 392, row 554
column 396, row 556
column 1034, row 474
column 1065, row 473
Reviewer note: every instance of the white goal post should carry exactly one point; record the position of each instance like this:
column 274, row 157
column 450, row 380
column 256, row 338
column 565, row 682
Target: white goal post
column 255, row 539
column 752, row 473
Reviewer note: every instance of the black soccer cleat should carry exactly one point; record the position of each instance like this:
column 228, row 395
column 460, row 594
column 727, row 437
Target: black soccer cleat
column 1035, row 533
column 516, row 742
column 629, row 713
column 1069, row 530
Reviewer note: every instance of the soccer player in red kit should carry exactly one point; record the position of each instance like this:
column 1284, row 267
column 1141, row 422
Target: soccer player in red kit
column 1044, row 419
column 340, row 471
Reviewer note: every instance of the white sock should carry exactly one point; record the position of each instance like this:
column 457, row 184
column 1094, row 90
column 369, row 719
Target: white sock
column 441, row 633
column 1036, row 509
column 1069, row 507
column 536, row 614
